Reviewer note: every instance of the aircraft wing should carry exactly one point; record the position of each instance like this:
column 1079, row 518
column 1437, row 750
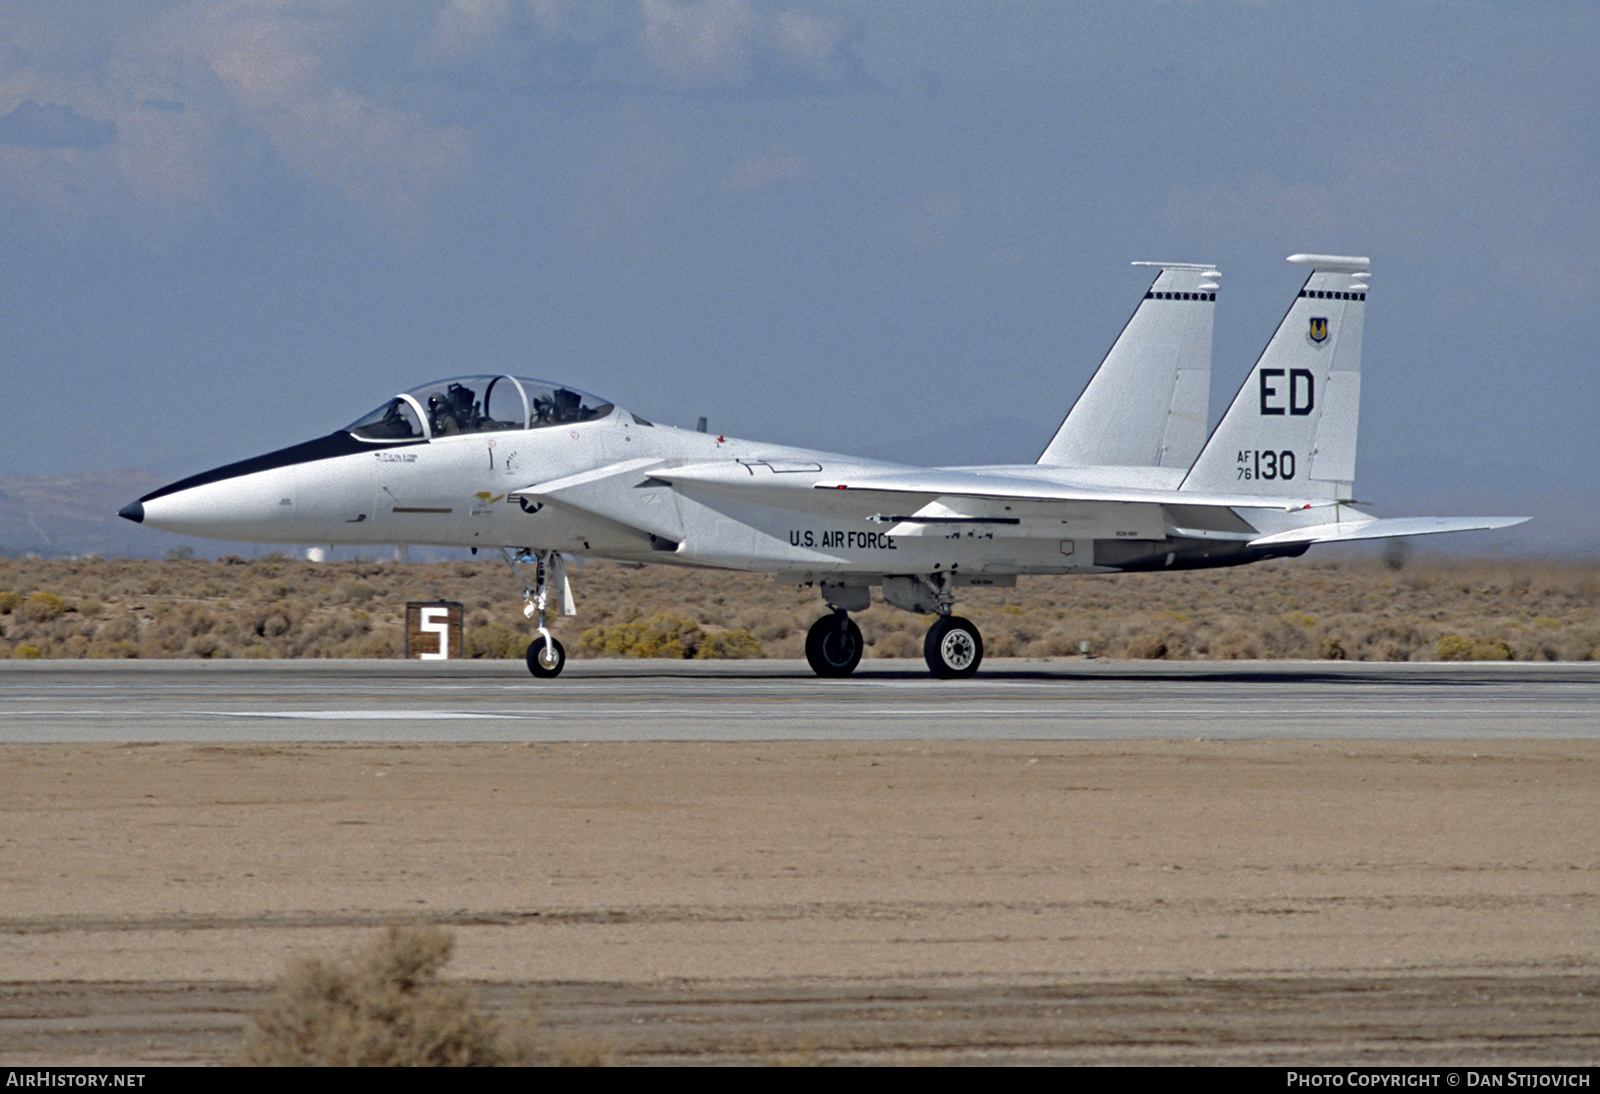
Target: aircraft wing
column 937, row 496
column 953, row 482
column 737, row 476
column 919, row 502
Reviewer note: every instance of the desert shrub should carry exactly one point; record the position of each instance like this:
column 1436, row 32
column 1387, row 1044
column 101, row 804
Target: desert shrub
column 666, row 635
column 1149, row 648
column 379, row 644
column 730, row 646
column 495, row 640
column 266, row 622
column 74, row 647
column 384, row 1006
column 1453, row 647
column 111, row 648
column 42, row 608
column 1390, row 642
column 897, row 644
column 779, row 629
column 661, row 635
column 9, row 602
column 1578, row 645
column 1331, row 648
column 353, row 592
column 1237, row 643
column 205, row 646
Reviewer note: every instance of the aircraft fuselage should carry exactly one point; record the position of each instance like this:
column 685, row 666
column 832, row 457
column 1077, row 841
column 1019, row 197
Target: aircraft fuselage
column 1129, row 482
column 473, row 490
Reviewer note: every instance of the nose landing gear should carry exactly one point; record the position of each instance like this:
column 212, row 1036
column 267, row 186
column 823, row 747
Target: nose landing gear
column 546, row 657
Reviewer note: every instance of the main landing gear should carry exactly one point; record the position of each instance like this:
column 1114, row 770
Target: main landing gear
column 833, row 645
column 546, row 657
column 953, row 647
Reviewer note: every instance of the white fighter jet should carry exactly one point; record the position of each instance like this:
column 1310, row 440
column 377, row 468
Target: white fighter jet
column 546, row 472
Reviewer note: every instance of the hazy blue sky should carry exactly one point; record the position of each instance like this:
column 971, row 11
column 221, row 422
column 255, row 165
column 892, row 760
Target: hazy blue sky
column 897, row 228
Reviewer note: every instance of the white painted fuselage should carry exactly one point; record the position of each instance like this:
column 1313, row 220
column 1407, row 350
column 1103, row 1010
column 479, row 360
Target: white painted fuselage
column 545, row 471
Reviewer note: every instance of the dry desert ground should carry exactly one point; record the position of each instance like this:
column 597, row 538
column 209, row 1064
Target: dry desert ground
column 1251, row 902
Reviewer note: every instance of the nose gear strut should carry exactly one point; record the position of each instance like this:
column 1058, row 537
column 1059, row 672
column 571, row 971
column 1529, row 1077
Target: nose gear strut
column 546, row 657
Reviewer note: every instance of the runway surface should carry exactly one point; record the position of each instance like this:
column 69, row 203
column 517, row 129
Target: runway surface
column 398, row 701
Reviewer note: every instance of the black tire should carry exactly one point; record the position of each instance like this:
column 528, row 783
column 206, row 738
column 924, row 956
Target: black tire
column 536, row 661
column 833, row 645
column 953, row 648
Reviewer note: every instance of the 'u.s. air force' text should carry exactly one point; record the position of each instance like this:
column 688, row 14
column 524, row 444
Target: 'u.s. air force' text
column 834, row 538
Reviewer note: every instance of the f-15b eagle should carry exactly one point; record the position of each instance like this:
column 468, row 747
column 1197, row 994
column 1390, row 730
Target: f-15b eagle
column 1130, row 481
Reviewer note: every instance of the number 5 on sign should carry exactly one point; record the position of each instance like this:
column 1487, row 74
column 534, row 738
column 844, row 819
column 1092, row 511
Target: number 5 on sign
column 433, row 630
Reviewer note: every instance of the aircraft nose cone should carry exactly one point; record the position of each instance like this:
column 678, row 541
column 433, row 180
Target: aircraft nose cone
column 133, row 511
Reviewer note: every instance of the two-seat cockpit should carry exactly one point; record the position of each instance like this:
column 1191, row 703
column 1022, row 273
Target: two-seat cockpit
column 476, row 404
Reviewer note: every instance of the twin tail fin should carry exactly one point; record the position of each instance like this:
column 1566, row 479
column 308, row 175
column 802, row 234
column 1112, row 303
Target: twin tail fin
column 1146, row 404
column 1291, row 430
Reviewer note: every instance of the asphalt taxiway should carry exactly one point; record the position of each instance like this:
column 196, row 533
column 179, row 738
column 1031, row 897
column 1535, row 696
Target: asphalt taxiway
column 399, row 701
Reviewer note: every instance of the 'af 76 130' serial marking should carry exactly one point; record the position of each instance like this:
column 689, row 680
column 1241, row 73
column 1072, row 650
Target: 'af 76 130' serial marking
column 1256, row 464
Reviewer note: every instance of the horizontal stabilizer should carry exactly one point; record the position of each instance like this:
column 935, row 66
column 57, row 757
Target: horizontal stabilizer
column 1387, row 528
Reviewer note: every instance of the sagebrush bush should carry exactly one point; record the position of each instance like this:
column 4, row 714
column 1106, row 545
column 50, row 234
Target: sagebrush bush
column 1453, row 647
column 666, row 635
column 42, row 607
column 730, row 646
column 495, row 640
column 384, row 1006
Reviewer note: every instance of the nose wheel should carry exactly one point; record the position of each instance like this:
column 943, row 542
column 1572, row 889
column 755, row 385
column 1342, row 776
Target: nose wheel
column 833, row 645
column 546, row 659
column 953, row 648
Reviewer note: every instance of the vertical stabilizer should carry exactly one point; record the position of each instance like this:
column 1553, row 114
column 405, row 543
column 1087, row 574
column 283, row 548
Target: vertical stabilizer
column 1146, row 404
column 1291, row 431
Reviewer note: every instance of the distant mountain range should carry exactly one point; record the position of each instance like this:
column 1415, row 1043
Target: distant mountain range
column 65, row 515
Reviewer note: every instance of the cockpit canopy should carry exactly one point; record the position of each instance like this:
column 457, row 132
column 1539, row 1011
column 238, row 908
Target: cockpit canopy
column 477, row 404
